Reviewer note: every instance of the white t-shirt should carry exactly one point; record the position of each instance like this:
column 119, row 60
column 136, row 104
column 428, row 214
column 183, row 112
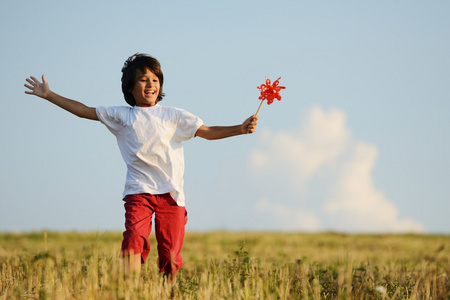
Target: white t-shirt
column 149, row 140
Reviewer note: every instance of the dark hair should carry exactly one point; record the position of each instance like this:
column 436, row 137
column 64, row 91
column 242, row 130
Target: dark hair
column 139, row 62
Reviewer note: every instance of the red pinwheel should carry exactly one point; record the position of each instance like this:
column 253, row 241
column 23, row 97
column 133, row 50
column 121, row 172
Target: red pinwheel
column 269, row 92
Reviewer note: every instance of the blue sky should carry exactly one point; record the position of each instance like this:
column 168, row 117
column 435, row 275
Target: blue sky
column 359, row 142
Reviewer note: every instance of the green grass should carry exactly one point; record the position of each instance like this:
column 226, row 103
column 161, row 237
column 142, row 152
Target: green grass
column 230, row 265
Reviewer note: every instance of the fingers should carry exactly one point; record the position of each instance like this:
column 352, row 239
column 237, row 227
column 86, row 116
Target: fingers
column 33, row 83
column 33, row 80
column 35, row 87
column 252, row 123
column 253, row 118
column 29, row 86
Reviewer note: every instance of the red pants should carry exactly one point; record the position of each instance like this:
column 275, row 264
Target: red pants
column 170, row 220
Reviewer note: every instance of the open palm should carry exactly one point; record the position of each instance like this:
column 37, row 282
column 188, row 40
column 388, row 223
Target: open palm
column 40, row 89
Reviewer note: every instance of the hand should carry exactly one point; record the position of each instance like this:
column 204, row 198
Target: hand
column 249, row 125
column 40, row 89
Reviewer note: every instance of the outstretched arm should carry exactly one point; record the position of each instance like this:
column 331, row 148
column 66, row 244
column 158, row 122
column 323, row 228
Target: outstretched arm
column 42, row 90
column 220, row 132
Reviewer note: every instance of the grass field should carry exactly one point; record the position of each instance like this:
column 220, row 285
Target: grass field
column 224, row 265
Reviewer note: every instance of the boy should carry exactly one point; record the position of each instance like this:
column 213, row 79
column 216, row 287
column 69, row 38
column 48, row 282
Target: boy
column 150, row 139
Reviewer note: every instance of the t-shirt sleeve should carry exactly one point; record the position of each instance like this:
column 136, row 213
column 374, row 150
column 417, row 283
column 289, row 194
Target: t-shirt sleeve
column 188, row 125
column 112, row 117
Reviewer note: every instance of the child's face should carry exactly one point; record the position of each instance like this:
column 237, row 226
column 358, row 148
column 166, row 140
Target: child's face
column 146, row 88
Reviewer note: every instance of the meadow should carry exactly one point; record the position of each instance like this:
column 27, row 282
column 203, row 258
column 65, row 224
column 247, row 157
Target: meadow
column 230, row 265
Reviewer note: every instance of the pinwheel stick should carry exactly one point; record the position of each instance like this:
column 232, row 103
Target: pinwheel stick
column 259, row 108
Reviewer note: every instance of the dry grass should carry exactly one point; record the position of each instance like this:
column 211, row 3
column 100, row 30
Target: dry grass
column 221, row 265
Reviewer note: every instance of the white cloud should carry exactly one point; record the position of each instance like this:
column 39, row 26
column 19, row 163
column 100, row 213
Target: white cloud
column 347, row 197
column 356, row 205
column 300, row 154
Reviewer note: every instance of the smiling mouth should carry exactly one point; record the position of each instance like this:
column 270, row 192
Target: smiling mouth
column 148, row 93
